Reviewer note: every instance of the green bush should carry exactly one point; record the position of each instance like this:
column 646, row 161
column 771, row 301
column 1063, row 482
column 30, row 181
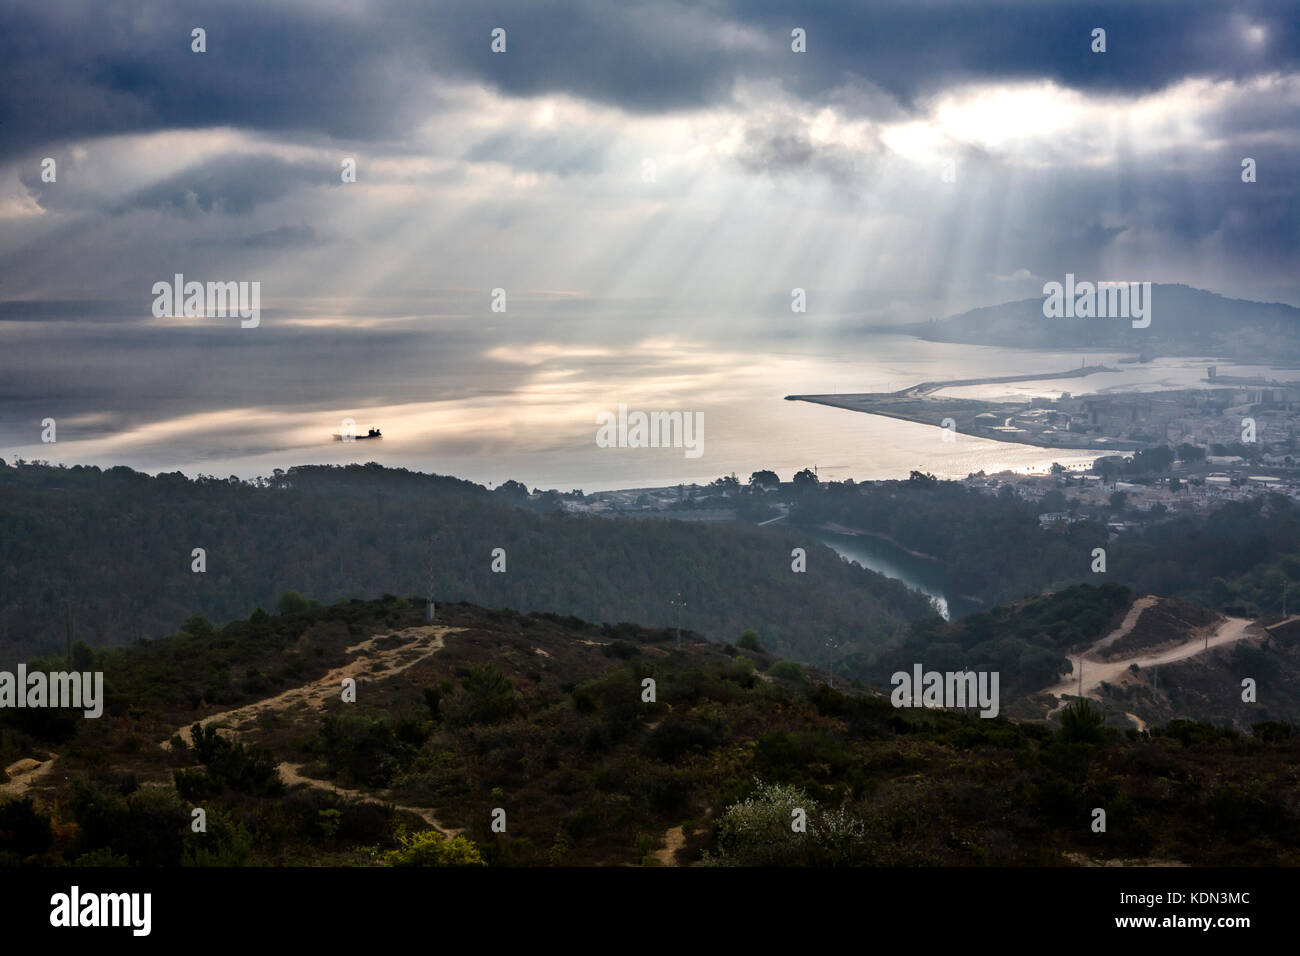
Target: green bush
column 786, row 670
column 1081, row 723
column 488, row 697
column 229, row 766
column 364, row 750
column 291, row 602
column 431, row 848
column 678, row 736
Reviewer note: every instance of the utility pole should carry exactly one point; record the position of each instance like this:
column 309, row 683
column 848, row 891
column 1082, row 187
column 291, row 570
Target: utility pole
column 832, row 644
column 69, row 620
column 428, row 607
column 678, row 604
column 1081, row 676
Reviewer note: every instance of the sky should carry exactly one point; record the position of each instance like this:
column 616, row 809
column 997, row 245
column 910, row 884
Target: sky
column 638, row 177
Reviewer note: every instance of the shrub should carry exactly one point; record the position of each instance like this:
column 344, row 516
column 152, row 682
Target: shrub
column 488, row 697
column 1080, row 723
column 758, row 832
column 749, row 641
column 785, row 670
column 677, row 736
column 431, row 848
column 363, row 749
column 24, row 830
column 291, row 602
column 230, row 766
column 1271, row 731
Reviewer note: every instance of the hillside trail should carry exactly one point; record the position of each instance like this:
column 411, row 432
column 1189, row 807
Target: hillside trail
column 376, row 662
column 23, row 774
column 1126, row 625
column 291, row 774
column 1096, row 672
column 379, row 662
column 674, row 840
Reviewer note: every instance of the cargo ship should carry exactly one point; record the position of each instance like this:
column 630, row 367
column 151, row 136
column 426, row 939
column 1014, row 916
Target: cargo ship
column 372, row 433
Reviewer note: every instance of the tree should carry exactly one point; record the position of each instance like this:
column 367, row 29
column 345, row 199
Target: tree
column 513, row 491
column 291, row 602
column 805, row 480
column 489, row 696
column 764, row 480
column 749, row 641
column 1080, row 723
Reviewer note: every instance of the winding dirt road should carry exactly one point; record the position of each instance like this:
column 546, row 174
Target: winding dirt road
column 1097, row 671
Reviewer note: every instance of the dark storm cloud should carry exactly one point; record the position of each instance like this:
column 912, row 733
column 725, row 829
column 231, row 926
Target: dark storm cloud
column 787, row 148
column 234, row 185
column 81, row 69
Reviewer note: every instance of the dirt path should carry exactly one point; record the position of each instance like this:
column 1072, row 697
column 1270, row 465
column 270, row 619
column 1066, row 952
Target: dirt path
column 1138, row 721
column 1126, row 625
column 372, row 660
column 1095, row 672
column 291, row 774
column 23, row 773
column 674, row 840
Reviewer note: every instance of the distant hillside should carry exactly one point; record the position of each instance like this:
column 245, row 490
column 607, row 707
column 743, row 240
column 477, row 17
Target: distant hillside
column 1184, row 321
column 1238, row 558
column 1032, row 645
column 116, row 547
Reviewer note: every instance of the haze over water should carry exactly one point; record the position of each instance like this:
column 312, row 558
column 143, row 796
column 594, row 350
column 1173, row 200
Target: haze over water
column 528, row 411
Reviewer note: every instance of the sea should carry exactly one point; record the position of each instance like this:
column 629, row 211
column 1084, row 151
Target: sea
column 530, row 413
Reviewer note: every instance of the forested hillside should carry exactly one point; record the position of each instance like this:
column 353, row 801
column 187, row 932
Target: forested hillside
column 1239, row 558
column 116, row 547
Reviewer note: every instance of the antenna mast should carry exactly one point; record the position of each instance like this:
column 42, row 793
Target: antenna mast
column 428, row 607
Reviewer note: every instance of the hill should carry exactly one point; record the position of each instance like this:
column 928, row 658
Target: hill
column 544, row 725
column 1184, row 321
column 117, row 548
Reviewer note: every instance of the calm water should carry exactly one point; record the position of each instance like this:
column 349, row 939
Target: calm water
column 928, row 577
column 527, row 412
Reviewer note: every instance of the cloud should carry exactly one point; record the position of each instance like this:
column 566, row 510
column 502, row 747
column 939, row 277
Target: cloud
column 368, row 74
column 234, row 186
